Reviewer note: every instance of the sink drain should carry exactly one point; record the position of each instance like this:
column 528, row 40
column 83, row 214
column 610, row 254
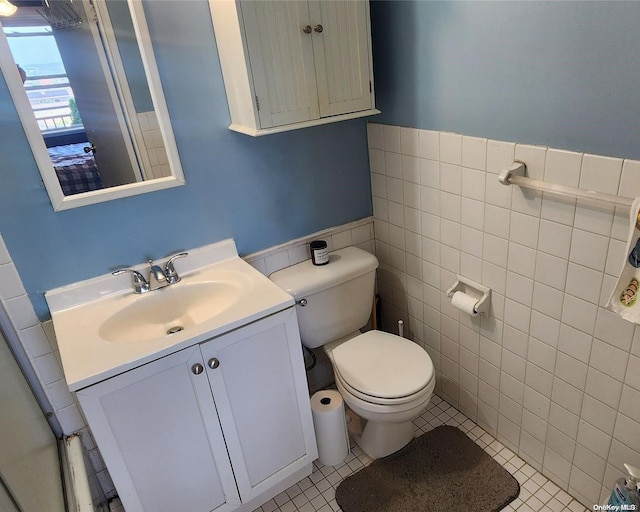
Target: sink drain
column 175, row 329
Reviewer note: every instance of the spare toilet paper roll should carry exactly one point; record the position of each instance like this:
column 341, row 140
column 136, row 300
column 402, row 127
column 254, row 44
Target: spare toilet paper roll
column 465, row 303
column 330, row 425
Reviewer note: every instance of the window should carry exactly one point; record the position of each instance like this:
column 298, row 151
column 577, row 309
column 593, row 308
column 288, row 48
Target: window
column 35, row 51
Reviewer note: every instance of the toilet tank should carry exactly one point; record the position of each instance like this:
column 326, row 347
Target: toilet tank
column 339, row 295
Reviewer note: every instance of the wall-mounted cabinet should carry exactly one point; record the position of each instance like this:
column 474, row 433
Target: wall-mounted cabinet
column 292, row 64
column 221, row 426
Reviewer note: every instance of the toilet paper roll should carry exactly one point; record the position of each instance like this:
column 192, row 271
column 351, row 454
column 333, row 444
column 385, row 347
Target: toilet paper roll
column 465, row 303
column 330, row 425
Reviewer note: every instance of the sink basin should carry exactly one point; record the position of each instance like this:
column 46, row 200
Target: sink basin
column 104, row 329
column 170, row 310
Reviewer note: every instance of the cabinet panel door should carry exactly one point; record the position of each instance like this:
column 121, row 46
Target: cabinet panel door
column 261, row 394
column 158, row 432
column 281, row 58
column 341, row 53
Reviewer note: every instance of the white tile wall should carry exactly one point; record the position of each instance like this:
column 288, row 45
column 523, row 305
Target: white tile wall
column 551, row 372
column 358, row 233
column 154, row 145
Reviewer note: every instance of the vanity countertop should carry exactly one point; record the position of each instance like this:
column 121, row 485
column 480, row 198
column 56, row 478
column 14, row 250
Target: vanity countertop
column 104, row 329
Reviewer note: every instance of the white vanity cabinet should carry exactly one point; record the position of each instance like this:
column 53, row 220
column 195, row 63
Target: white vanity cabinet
column 259, row 385
column 158, row 433
column 224, row 425
column 294, row 63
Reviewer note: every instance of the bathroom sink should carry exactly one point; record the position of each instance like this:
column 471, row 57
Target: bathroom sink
column 103, row 328
column 170, row 310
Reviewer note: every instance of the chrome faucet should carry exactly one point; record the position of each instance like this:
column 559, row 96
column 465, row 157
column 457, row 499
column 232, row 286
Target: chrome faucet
column 158, row 277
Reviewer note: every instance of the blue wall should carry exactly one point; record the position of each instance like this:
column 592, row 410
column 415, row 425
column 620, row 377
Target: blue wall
column 260, row 191
column 563, row 74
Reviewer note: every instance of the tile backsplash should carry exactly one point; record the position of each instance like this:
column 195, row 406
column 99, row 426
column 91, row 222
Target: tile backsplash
column 551, row 372
column 358, row 233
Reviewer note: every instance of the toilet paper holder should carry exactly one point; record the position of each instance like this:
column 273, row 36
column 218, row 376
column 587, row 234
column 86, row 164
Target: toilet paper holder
column 479, row 292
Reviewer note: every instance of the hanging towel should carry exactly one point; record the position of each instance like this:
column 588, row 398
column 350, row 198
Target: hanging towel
column 625, row 298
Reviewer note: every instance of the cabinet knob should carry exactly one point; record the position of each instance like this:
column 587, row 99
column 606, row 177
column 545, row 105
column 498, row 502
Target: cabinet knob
column 307, row 29
column 318, row 28
column 197, row 368
column 213, row 363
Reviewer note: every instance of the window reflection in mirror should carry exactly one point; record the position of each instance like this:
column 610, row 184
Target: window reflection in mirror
column 53, row 102
column 75, row 108
column 86, row 84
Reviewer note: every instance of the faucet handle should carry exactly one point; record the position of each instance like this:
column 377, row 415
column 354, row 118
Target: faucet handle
column 140, row 284
column 170, row 269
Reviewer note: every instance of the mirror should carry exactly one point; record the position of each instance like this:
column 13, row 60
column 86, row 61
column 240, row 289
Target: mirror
column 85, row 84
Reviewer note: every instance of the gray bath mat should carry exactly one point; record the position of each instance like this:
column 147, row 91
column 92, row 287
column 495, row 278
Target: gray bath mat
column 441, row 470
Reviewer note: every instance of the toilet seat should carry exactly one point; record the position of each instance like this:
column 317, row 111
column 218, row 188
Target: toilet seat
column 399, row 403
column 383, row 368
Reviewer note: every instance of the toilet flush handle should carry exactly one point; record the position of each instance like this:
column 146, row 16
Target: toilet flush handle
column 301, row 302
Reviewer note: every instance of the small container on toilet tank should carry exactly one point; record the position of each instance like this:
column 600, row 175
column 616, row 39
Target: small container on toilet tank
column 319, row 252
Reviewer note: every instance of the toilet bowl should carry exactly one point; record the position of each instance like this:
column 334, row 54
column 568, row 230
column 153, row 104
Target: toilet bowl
column 385, row 379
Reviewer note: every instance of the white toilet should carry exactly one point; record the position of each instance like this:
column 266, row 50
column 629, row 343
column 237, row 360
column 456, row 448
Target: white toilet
column 385, row 379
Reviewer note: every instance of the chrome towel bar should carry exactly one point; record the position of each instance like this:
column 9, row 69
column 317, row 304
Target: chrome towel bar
column 515, row 175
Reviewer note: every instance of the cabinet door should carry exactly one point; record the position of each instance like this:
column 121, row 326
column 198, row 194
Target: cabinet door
column 281, row 58
column 342, row 55
column 259, row 385
column 158, row 432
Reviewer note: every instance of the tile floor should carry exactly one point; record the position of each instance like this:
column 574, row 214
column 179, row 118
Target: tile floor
column 537, row 493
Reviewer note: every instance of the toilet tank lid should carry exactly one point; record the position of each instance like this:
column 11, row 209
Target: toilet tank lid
column 306, row 278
